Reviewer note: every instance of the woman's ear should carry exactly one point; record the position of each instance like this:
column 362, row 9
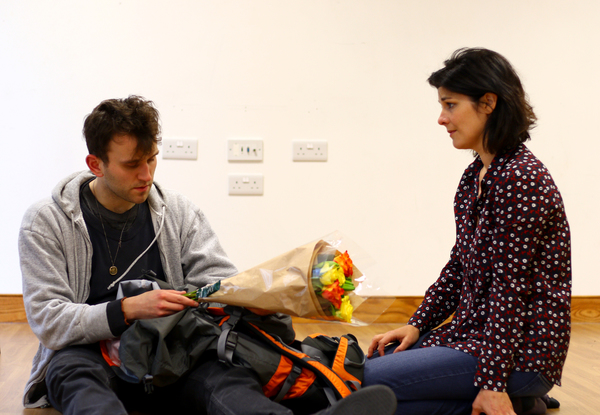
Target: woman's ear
column 95, row 165
column 488, row 102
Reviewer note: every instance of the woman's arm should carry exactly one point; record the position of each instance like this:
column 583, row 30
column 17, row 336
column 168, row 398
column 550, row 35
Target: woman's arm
column 442, row 297
column 440, row 302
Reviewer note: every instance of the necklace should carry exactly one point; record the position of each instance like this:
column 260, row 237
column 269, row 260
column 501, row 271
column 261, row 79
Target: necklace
column 113, row 268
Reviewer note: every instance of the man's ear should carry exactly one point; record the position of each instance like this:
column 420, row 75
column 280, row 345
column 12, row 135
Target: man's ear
column 488, row 102
column 95, row 165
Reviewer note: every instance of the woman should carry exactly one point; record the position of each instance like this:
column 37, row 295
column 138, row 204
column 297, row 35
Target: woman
column 507, row 285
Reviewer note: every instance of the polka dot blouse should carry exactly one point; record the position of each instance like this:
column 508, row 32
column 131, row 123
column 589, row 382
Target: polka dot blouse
column 508, row 280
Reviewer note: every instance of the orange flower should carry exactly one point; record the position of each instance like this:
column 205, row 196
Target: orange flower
column 345, row 262
column 333, row 294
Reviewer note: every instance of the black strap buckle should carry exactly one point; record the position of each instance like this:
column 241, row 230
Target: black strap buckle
column 148, row 386
column 226, row 346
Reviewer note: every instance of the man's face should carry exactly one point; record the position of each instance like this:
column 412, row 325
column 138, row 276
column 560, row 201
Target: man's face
column 127, row 176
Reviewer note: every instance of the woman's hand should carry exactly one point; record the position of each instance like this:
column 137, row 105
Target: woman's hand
column 492, row 403
column 407, row 336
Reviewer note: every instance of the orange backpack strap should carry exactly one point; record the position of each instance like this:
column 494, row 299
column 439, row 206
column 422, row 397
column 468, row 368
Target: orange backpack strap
column 339, row 364
column 283, row 371
column 333, row 379
column 343, row 355
column 288, row 383
column 303, row 383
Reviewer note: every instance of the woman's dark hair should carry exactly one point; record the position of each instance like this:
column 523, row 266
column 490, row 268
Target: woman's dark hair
column 133, row 116
column 476, row 71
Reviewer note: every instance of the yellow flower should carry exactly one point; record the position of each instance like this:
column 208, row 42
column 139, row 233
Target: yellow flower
column 335, row 273
column 346, row 309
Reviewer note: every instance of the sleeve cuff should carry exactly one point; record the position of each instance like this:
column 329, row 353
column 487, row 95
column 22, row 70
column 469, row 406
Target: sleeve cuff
column 492, row 375
column 116, row 318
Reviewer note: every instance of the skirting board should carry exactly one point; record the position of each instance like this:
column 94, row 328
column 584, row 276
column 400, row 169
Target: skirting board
column 583, row 309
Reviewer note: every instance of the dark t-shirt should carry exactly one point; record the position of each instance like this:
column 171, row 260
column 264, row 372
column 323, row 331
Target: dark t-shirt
column 135, row 232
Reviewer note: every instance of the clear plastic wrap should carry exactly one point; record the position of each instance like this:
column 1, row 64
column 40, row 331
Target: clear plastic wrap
column 293, row 283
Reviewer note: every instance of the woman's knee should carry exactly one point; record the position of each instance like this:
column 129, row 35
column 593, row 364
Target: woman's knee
column 528, row 384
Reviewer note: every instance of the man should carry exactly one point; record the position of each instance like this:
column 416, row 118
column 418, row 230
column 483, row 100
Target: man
column 113, row 223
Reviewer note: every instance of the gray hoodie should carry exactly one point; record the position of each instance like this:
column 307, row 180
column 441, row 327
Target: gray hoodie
column 56, row 261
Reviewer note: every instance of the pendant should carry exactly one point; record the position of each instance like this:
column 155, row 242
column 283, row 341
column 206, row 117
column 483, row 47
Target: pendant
column 112, row 270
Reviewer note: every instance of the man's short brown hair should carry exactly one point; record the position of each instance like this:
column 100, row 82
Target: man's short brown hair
column 133, row 116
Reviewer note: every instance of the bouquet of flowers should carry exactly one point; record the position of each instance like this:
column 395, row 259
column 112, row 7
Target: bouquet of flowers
column 332, row 281
column 315, row 281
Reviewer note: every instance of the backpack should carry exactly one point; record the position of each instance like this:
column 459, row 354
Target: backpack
column 305, row 375
column 315, row 372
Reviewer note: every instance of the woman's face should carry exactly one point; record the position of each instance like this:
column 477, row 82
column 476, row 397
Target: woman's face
column 464, row 120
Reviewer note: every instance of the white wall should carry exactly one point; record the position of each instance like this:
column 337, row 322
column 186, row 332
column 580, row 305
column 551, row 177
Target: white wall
column 351, row 72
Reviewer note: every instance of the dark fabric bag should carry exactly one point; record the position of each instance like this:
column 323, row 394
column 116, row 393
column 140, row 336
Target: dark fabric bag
column 309, row 374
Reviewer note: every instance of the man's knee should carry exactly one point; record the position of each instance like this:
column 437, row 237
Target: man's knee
column 77, row 364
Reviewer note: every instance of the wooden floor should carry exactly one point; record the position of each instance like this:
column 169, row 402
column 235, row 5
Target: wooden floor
column 579, row 395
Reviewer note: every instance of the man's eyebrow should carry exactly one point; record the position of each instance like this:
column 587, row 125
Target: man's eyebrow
column 137, row 160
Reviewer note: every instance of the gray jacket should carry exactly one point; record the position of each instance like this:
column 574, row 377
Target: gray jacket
column 56, row 261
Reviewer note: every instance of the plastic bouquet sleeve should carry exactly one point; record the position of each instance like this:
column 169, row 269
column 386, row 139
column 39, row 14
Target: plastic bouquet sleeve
column 316, row 281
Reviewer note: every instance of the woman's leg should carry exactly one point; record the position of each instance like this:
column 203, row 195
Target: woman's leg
column 431, row 373
column 439, row 380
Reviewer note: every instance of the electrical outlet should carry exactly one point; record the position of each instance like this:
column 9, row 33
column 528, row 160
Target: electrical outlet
column 180, row 148
column 246, row 184
column 244, row 150
column 315, row 150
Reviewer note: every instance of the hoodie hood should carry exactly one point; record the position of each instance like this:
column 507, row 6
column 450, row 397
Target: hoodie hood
column 66, row 193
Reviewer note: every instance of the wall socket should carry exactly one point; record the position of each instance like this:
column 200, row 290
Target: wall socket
column 313, row 150
column 180, row 148
column 244, row 150
column 246, row 184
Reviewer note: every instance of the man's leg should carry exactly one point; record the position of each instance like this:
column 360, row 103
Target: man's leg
column 217, row 389
column 79, row 381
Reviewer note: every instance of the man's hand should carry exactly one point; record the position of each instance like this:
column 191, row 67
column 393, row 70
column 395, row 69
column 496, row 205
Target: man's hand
column 155, row 303
column 407, row 336
column 492, row 403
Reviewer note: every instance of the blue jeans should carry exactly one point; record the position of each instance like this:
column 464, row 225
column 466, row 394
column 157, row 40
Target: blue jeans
column 439, row 380
column 79, row 381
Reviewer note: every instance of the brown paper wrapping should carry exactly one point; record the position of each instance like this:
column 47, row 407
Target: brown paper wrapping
column 281, row 284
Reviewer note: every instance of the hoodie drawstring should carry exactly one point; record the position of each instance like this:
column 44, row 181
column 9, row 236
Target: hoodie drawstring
column 162, row 221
